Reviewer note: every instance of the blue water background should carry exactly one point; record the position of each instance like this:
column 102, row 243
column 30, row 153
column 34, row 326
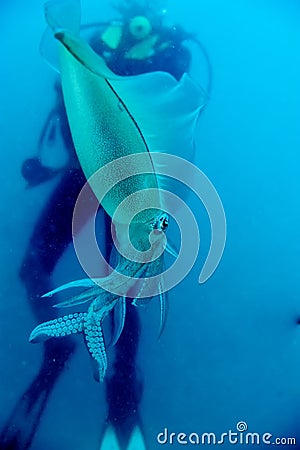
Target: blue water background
column 231, row 349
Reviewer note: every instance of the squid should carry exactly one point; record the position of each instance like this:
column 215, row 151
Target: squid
column 116, row 124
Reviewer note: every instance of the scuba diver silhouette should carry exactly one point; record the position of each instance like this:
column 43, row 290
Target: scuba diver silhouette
column 137, row 43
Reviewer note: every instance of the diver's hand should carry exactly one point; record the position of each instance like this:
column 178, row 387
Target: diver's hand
column 35, row 173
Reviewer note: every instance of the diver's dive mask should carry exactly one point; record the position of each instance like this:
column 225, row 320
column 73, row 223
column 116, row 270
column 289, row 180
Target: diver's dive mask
column 34, row 172
column 140, row 27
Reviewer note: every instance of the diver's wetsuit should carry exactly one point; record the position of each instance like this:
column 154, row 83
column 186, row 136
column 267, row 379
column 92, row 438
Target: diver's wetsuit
column 50, row 238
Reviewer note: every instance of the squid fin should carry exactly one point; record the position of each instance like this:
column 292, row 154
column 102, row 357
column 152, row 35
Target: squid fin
column 63, row 15
column 48, row 50
column 168, row 121
column 59, row 14
column 172, row 106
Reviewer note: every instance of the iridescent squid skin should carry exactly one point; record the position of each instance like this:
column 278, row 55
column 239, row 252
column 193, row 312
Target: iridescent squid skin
column 112, row 117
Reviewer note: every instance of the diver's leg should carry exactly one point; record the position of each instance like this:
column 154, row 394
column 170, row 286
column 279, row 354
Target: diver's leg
column 51, row 236
column 124, row 388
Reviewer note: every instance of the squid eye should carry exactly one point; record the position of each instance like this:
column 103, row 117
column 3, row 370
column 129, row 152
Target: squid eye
column 163, row 222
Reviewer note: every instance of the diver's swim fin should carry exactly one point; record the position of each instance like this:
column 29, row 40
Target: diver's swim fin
column 136, row 441
column 110, row 440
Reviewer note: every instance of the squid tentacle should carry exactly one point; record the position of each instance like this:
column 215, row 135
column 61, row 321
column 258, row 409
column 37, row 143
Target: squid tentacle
column 93, row 334
column 63, row 326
